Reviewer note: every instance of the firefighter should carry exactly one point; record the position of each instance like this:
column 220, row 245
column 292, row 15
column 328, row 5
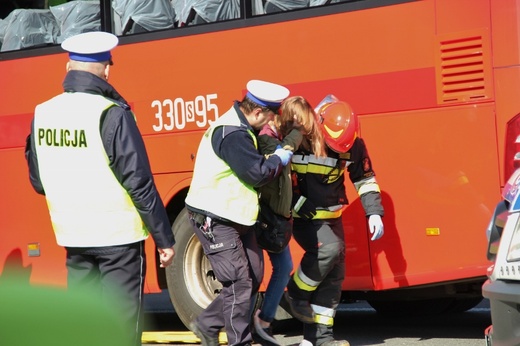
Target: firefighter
column 319, row 197
column 223, row 206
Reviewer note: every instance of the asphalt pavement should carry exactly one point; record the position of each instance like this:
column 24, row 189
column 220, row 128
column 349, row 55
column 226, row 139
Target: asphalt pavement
column 356, row 322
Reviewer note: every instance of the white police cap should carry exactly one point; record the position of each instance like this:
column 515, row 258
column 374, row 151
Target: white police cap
column 266, row 94
column 94, row 46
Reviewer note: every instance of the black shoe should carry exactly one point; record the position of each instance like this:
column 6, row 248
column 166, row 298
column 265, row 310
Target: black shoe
column 263, row 336
column 205, row 340
column 300, row 309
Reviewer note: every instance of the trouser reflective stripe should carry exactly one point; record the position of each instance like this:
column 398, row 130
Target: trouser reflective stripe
column 323, row 310
column 323, row 314
column 325, row 320
column 304, row 282
column 321, row 271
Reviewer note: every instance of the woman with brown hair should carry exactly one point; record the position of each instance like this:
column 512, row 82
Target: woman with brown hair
column 294, row 127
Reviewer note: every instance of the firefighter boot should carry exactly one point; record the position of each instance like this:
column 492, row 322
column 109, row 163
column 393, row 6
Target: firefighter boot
column 321, row 335
column 300, row 309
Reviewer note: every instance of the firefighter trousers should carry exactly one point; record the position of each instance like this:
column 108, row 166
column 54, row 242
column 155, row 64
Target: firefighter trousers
column 320, row 275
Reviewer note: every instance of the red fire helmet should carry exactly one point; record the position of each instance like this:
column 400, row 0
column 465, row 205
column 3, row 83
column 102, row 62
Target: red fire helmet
column 339, row 125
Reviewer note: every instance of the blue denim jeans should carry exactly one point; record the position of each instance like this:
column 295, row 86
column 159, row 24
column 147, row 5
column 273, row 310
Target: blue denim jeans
column 282, row 267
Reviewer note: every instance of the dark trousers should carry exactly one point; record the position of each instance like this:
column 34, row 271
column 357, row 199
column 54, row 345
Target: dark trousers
column 323, row 260
column 324, row 264
column 237, row 263
column 116, row 274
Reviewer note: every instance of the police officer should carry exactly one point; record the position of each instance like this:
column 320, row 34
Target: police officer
column 223, row 205
column 314, row 290
column 86, row 155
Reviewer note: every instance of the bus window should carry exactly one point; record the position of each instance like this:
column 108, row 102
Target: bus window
column 193, row 12
column 144, row 16
column 50, row 25
column 274, row 6
column 75, row 17
column 23, row 29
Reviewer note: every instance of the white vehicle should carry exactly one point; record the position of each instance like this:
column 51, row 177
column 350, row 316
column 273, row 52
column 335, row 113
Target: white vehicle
column 503, row 285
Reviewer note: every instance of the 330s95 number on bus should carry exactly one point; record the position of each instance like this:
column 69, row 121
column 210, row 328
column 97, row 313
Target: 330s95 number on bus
column 176, row 114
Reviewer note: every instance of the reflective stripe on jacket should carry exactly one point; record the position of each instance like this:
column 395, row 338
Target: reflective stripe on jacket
column 322, row 180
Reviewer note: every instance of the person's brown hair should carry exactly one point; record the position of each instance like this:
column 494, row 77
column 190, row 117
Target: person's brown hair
column 297, row 112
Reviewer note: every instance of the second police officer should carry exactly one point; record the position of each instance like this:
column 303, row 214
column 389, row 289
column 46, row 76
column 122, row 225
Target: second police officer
column 222, row 205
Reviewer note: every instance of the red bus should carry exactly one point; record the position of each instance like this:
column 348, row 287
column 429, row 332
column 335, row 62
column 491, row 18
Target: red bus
column 434, row 83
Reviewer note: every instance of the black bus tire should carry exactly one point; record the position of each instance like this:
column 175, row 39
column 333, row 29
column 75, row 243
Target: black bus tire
column 192, row 286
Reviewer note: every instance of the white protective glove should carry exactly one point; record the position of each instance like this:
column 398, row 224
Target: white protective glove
column 284, row 155
column 375, row 225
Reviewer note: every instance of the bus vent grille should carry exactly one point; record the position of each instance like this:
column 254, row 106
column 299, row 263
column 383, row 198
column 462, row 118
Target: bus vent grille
column 461, row 73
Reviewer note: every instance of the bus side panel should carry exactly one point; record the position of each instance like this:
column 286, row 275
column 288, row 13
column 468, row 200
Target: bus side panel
column 24, row 83
column 184, row 92
column 358, row 271
column 188, row 69
column 28, row 244
column 437, row 169
column 505, row 18
column 460, row 15
column 506, row 57
column 173, row 153
column 376, row 73
column 507, row 81
column 366, row 68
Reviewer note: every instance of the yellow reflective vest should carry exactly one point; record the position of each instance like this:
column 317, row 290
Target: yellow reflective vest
column 87, row 204
column 215, row 188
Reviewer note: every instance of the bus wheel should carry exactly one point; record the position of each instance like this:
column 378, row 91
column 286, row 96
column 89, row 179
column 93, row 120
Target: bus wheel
column 192, row 286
